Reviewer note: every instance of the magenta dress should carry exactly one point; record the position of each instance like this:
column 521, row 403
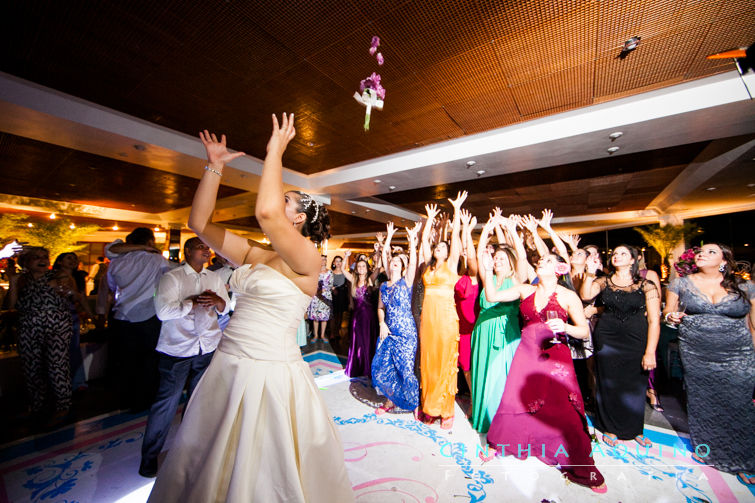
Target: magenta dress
column 466, row 296
column 364, row 332
column 542, row 406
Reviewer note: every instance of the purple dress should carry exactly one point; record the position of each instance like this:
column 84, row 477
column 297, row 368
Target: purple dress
column 541, row 412
column 364, row 331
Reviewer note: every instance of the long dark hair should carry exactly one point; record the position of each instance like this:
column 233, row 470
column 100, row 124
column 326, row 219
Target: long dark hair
column 59, row 260
column 634, row 270
column 731, row 281
column 433, row 261
column 565, row 279
column 333, row 262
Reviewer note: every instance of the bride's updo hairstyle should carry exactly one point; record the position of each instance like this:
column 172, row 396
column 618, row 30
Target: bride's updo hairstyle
column 317, row 225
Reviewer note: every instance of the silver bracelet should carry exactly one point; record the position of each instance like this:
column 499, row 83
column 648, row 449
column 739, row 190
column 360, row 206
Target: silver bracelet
column 208, row 168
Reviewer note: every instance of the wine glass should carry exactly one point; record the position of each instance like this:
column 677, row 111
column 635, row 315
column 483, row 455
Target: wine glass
column 681, row 307
column 552, row 315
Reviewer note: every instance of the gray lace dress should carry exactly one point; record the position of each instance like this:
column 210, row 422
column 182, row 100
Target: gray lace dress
column 719, row 371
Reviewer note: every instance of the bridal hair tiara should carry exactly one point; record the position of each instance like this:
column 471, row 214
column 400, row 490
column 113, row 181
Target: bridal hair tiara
column 307, row 201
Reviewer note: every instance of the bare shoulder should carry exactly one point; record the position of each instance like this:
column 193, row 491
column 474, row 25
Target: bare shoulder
column 567, row 296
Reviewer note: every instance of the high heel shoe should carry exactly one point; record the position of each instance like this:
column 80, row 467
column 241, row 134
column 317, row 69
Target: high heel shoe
column 447, row 423
column 657, row 405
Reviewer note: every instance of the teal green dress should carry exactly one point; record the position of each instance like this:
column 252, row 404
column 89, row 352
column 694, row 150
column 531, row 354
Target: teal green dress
column 495, row 338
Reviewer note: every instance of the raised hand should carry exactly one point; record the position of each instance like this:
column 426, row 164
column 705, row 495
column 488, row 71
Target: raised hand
column 11, row 249
column 592, row 265
column 432, row 211
column 530, row 223
column 380, row 237
column 217, row 152
column 346, row 254
column 412, row 233
column 473, row 222
column 545, row 222
column 496, row 212
column 460, row 198
column 466, row 217
column 390, row 230
column 281, row 135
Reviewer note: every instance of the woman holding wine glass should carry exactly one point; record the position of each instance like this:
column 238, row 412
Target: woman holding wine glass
column 716, row 336
column 542, row 405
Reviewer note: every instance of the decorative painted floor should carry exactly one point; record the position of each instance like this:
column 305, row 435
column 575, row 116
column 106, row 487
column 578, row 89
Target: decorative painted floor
column 390, row 459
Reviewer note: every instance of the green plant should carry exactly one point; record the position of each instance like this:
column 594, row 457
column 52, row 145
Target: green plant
column 58, row 236
column 665, row 239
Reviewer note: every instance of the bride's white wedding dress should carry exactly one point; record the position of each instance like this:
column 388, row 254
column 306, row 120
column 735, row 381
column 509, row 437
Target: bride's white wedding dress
column 256, row 428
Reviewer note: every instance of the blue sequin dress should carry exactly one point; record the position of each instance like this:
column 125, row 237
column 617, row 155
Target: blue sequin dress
column 393, row 364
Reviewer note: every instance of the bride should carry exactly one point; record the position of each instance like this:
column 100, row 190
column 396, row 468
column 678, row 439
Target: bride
column 256, row 427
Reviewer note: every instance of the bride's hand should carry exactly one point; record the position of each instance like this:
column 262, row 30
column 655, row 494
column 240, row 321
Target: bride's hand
column 217, row 152
column 282, row 134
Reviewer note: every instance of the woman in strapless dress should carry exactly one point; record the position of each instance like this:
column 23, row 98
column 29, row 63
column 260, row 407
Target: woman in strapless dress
column 256, row 428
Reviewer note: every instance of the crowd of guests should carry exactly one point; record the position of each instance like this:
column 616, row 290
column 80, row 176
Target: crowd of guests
column 541, row 332
column 538, row 332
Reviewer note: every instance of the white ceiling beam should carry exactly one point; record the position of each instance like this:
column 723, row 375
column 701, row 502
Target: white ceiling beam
column 714, row 158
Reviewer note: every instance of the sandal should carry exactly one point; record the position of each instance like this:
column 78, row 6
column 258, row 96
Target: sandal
column 698, row 460
column 447, row 423
column 384, row 410
column 601, row 489
column 744, row 478
column 643, row 441
column 610, row 439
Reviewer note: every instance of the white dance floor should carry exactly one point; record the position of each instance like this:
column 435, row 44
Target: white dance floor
column 391, row 458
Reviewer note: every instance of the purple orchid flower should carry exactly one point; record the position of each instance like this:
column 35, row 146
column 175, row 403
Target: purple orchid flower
column 380, row 58
column 373, row 82
column 374, row 45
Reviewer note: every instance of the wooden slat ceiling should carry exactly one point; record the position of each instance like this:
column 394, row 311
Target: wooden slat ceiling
column 45, row 171
column 453, row 67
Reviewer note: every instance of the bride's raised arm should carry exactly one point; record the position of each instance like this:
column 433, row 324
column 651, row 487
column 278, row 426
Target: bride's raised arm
column 232, row 246
column 286, row 239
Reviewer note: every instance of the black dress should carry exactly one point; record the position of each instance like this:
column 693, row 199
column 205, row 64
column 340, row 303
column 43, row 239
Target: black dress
column 620, row 340
column 719, row 371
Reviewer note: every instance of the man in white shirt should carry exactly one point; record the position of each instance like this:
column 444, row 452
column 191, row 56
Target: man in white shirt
column 189, row 300
column 135, row 270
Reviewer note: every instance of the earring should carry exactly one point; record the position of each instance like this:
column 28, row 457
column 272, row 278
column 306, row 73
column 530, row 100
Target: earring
column 722, row 268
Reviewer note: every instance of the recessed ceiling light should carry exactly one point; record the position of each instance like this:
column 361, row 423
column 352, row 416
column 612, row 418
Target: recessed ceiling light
column 377, row 181
column 353, row 212
column 140, row 148
column 157, row 229
column 470, row 164
column 367, row 210
column 747, row 244
column 751, row 185
column 611, row 150
column 711, row 189
column 115, row 227
column 615, row 135
column 30, row 224
column 310, row 144
column 391, row 187
column 53, row 216
column 123, row 154
column 72, row 226
column 480, row 172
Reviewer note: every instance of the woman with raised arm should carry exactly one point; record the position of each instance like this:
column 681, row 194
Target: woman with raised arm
column 541, row 406
column 717, row 346
column 496, row 333
column 625, row 340
column 364, row 327
column 439, row 326
column 393, row 365
column 256, row 428
column 466, row 295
